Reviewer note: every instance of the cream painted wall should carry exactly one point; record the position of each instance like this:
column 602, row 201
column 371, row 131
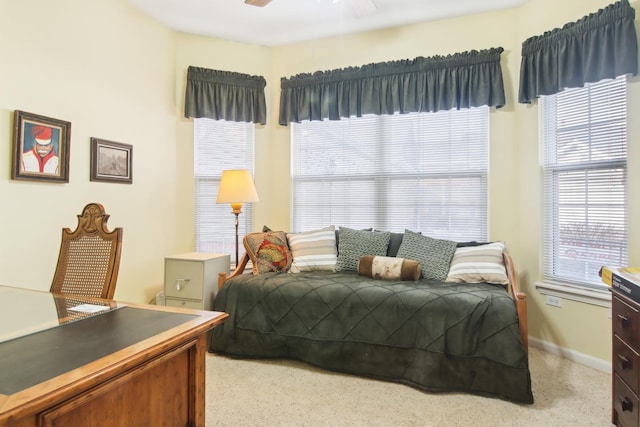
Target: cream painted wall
column 119, row 75
column 109, row 70
column 427, row 39
column 577, row 326
column 226, row 56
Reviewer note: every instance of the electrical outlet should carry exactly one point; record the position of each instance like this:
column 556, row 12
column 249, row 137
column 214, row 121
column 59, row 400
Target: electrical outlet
column 554, row 301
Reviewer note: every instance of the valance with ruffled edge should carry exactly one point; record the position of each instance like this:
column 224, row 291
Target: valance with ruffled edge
column 598, row 46
column 461, row 80
column 225, row 95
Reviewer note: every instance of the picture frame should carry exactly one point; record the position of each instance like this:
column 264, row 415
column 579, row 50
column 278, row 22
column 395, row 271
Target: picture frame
column 111, row 161
column 40, row 148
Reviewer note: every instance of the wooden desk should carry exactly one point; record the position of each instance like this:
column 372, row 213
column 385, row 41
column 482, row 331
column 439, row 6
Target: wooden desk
column 127, row 365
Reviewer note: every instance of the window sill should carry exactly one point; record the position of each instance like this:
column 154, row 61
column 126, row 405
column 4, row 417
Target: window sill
column 575, row 293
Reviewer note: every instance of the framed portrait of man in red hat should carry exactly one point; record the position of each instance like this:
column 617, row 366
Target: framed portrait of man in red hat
column 40, row 148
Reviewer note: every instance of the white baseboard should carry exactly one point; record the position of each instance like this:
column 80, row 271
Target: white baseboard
column 575, row 356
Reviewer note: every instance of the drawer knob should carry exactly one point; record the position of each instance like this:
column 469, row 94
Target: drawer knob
column 624, row 362
column 626, row 404
column 624, row 321
column 181, row 283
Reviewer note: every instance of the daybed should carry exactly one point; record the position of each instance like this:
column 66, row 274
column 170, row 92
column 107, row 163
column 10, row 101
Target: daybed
column 435, row 334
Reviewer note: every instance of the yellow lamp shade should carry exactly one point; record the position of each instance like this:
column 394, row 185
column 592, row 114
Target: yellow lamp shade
column 236, row 186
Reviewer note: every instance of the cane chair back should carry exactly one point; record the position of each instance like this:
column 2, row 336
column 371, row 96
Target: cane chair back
column 89, row 256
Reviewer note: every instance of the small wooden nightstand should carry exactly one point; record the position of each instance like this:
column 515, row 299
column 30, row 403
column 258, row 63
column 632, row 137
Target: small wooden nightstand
column 191, row 279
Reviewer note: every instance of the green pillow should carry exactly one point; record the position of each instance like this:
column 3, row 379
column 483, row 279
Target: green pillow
column 352, row 244
column 434, row 255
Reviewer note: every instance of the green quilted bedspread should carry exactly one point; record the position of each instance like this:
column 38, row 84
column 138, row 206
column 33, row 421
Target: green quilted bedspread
column 431, row 335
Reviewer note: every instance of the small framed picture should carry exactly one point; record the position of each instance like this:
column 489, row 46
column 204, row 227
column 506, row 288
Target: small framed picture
column 111, row 161
column 40, row 148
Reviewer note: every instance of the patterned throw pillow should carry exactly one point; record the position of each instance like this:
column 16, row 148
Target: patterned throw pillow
column 313, row 250
column 389, row 268
column 477, row 264
column 434, row 255
column 352, row 244
column 268, row 251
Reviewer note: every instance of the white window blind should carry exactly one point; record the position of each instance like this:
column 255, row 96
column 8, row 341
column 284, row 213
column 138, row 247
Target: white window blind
column 584, row 135
column 425, row 172
column 220, row 145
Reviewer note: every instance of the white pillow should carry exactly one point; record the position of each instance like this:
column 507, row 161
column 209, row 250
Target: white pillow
column 477, row 264
column 313, row 250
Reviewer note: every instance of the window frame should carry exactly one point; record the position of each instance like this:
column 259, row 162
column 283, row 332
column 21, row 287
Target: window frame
column 553, row 171
column 229, row 145
column 386, row 177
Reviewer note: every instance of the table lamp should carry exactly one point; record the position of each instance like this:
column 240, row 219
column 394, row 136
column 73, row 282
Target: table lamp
column 236, row 188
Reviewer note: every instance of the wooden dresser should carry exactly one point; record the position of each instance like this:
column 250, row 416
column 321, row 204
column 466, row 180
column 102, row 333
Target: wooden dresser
column 625, row 360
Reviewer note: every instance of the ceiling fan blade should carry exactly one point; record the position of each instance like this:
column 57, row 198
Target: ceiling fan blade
column 363, row 7
column 259, row 3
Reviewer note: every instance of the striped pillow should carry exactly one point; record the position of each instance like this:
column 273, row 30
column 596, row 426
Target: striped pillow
column 313, row 250
column 477, row 264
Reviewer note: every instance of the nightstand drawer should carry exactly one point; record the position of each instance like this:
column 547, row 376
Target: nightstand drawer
column 183, row 279
column 625, row 363
column 193, row 278
column 625, row 322
column 171, row 302
column 625, row 404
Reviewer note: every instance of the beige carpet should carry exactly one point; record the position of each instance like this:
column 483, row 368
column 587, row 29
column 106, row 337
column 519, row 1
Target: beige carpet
column 289, row 393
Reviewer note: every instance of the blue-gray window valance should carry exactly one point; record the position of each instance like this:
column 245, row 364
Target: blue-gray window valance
column 225, row 95
column 598, row 46
column 461, row 80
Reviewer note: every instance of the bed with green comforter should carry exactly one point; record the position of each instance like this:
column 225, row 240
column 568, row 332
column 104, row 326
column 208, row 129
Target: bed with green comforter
column 432, row 335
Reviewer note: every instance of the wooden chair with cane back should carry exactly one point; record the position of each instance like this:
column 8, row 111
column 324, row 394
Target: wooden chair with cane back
column 89, row 256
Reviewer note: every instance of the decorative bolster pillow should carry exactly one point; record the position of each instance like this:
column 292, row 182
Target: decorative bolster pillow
column 389, row 268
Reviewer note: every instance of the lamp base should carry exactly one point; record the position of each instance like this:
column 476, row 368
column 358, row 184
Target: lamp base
column 236, row 209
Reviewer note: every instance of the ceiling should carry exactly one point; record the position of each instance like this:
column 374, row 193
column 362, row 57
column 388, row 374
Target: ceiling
column 290, row 21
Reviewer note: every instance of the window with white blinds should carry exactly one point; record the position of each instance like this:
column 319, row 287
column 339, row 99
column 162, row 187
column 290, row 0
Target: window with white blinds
column 220, row 145
column 425, row 172
column 584, row 134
